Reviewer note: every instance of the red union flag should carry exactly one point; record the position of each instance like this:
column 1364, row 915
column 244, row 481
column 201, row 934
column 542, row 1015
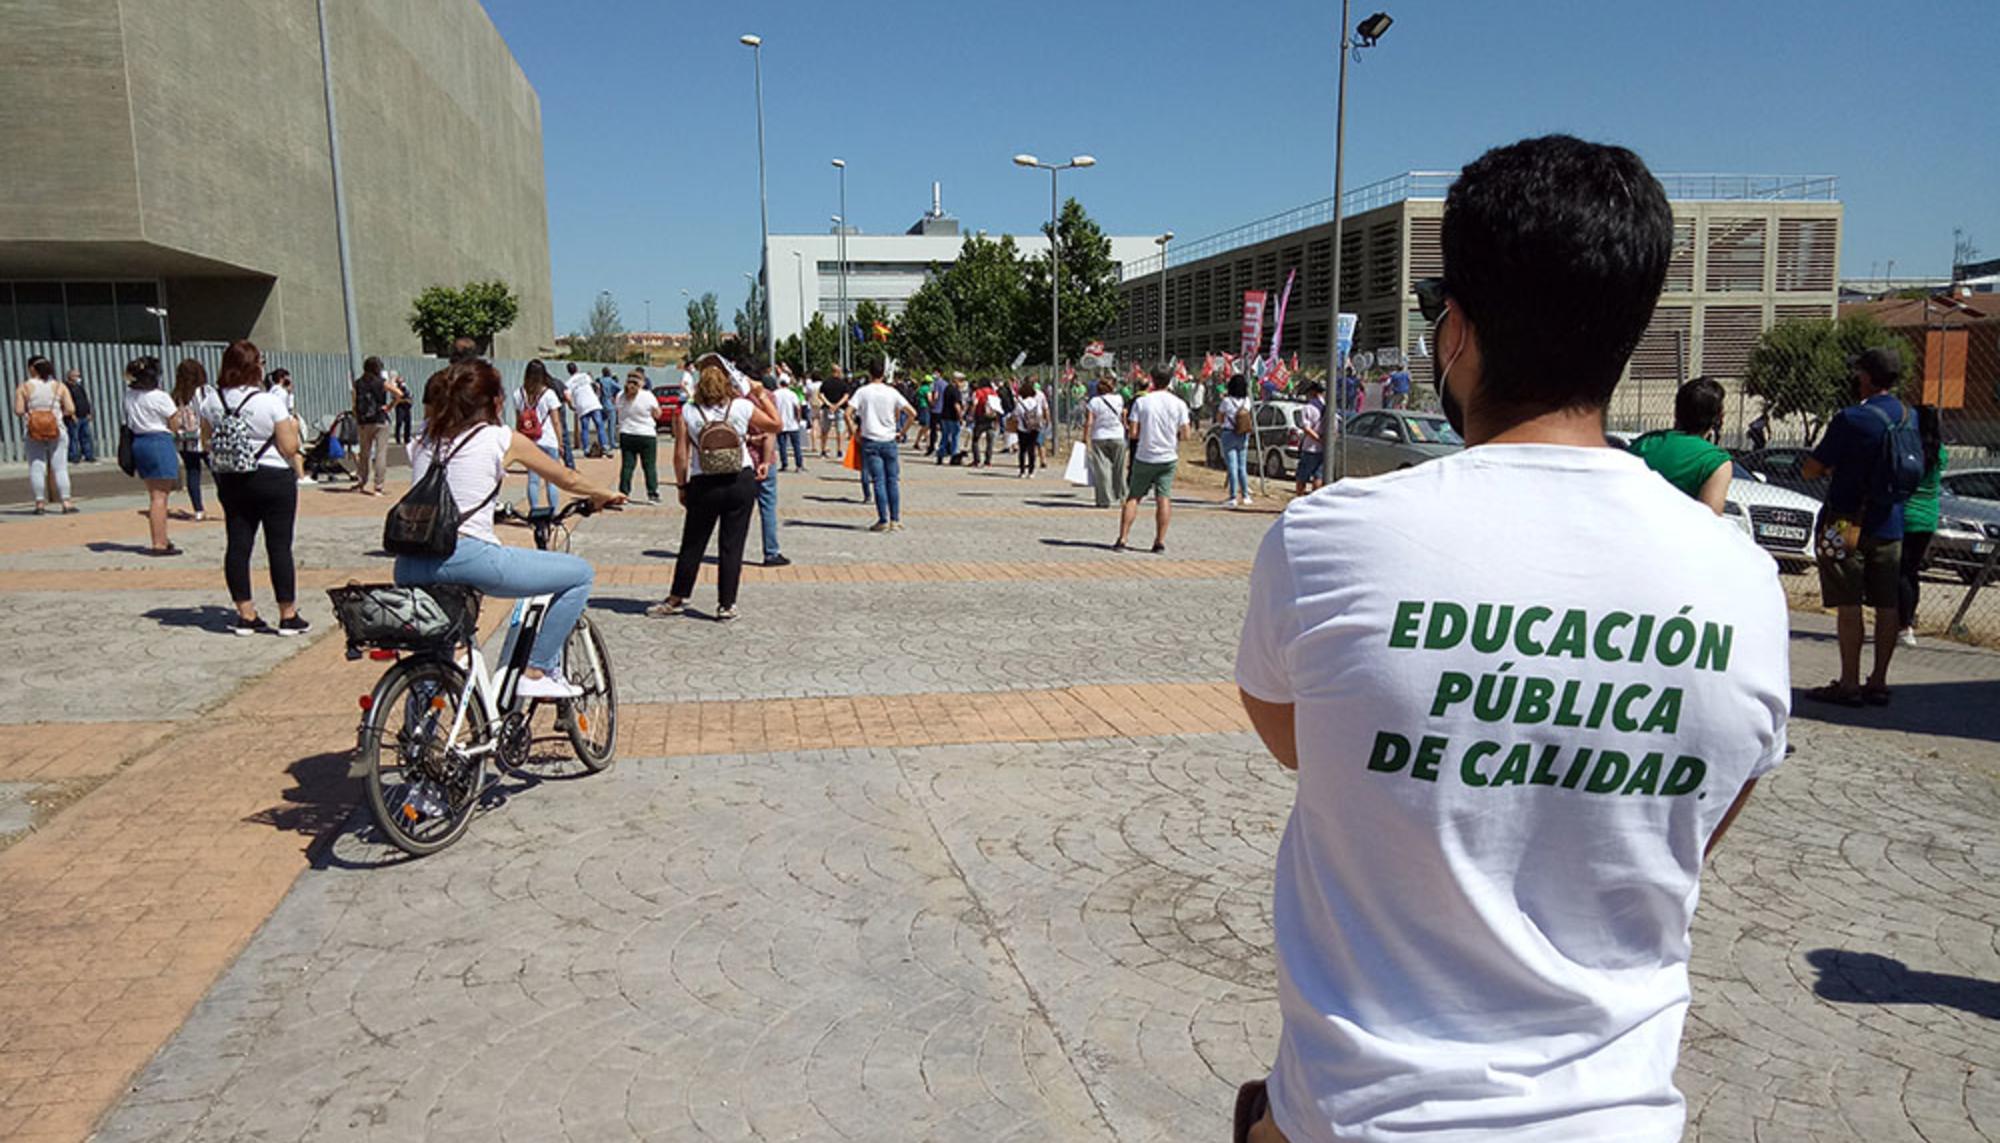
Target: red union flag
column 1253, row 322
column 1094, row 349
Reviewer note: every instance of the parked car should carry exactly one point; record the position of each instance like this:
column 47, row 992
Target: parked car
column 1973, row 483
column 1785, row 467
column 670, row 398
column 1275, row 445
column 1779, row 519
column 1968, row 530
column 1388, row 439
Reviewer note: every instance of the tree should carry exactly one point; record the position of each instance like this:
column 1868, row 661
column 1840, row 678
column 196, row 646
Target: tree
column 602, row 337
column 866, row 350
column 928, row 335
column 1799, row 368
column 822, row 347
column 1088, row 289
column 704, row 325
column 478, row 310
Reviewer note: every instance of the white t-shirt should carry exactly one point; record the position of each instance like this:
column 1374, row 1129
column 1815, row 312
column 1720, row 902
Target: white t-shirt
column 1107, row 417
column 1031, row 414
column 148, row 410
column 1482, row 931
column 812, row 390
column 698, row 418
column 639, row 416
column 876, row 406
column 475, row 475
column 1161, row 417
column 791, row 411
column 1312, row 417
column 1227, row 410
column 291, row 399
column 545, row 407
column 583, row 394
column 263, row 412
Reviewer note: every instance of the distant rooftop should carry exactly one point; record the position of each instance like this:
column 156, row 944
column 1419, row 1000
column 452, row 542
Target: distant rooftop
column 1433, row 185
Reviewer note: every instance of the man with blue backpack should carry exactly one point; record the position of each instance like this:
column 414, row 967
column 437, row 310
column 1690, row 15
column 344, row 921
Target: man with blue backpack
column 1874, row 457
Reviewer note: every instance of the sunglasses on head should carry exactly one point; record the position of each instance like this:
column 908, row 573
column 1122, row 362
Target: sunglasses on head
column 1432, row 298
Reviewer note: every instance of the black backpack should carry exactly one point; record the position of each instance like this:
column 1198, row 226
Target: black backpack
column 425, row 521
column 368, row 396
column 1901, row 467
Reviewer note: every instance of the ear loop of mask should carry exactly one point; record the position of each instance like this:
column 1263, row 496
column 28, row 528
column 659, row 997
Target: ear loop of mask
column 1446, row 371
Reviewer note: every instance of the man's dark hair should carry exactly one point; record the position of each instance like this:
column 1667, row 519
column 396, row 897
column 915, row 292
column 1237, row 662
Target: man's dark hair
column 1238, row 387
column 1880, row 366
column 875, row 369
column 1162, row 376
column 1698, row 406
column 1556, row 250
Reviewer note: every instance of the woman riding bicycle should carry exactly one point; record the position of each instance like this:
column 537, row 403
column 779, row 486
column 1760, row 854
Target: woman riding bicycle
column 464, row 431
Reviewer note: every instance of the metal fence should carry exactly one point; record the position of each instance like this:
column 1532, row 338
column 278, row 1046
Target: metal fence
column 321, row 382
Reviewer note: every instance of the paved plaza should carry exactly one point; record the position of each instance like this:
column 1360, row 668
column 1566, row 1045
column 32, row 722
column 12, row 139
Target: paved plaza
column 958, row 834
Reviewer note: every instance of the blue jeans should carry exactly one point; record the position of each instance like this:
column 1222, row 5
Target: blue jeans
column 767, row 512
column 1235, row 458
column 512, row 573
column 882, row 468
column 947, row 443
column 81, row 446
column 537, row 484
column 590, row 431
column 796, row 440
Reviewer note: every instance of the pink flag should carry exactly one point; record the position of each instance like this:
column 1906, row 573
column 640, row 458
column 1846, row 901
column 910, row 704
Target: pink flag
column 1278, row 330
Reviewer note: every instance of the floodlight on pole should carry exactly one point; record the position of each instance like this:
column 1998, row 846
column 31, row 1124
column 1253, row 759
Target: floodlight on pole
column 840, row 241
column 1370, row 30
column 1162, row 241
column 1055, row 254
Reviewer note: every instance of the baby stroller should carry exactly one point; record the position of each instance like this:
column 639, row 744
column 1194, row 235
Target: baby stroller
column 327, row 455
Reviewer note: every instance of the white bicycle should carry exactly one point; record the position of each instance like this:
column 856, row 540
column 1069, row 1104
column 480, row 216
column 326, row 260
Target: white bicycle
column 439, row 715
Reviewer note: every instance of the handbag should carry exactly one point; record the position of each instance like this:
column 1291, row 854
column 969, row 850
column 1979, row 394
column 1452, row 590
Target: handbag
column 127, row 463
column 852, row 460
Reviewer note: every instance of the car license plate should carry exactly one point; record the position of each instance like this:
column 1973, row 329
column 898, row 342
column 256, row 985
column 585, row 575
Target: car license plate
column 1782, row 532
column 1982, row 549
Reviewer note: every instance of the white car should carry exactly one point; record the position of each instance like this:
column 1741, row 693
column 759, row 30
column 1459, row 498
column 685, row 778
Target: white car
column 1779, row 520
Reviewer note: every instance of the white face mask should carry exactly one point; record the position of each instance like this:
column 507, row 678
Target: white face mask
column 1454, row 412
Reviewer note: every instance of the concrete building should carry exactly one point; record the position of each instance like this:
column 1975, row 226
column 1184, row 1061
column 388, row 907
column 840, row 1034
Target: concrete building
column 883, row 268
column 175, row 152
column 1749, row 250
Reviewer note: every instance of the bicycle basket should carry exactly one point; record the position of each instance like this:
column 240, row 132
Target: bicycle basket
column 391, row 618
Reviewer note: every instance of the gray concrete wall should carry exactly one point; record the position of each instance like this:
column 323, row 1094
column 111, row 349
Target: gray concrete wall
column 217, row 137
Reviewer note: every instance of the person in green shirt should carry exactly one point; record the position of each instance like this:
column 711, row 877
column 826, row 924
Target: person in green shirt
column 1687, row 454
column 1920, row 522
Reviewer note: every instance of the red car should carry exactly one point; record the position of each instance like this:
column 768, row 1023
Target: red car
column 670, row 398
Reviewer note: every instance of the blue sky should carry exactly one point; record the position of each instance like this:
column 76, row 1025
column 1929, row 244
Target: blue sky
column 1206, row 115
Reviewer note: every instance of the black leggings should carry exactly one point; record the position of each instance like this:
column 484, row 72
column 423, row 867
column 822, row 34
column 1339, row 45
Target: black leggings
column 266, row 498
column 1030, row 447
column 730, row 500
column 1915, row 546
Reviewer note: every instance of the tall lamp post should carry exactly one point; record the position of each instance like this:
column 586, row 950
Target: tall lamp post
column 756, row 307
column 1163, row 240
column 1055, row 254
column 805, row 353
column 756, row 46
column 1364, row 36
column 339, row 198
column 840, row 239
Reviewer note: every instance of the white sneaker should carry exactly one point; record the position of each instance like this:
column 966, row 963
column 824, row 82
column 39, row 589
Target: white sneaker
column 305, row 481
column 1907, row 637
column 547, row 687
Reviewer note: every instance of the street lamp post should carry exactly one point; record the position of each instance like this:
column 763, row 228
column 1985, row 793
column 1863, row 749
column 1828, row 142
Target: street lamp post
column 840, row 240
column 339, row 197
column 805, row 353
column 755, row 307
column 1163, row 240
column 1055, row 255
column 160, row 314
column 756, row 46
column 1370, row 31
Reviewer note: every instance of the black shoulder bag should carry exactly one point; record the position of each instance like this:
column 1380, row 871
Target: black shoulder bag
column 425, row 521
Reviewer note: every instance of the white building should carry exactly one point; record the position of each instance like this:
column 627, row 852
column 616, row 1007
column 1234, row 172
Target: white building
column 884, row 268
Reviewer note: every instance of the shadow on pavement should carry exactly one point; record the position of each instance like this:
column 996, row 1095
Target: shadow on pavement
column 1869, row 978
column 207, row 617
column 1969, row 709
column 109, row 546
column 321, row 799
column 1097, row 545
column 826, row 524
column 621, row 606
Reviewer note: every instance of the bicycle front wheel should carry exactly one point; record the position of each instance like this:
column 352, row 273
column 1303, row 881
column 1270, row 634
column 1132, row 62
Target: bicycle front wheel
column 592, row 720
column 421, row 791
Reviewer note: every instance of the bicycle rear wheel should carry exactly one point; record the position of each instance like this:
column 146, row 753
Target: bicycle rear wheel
column 421, row 792
column 592, row 720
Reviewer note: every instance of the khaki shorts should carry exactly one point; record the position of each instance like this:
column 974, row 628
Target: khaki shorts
column 1155, row 478
column 1868, row 574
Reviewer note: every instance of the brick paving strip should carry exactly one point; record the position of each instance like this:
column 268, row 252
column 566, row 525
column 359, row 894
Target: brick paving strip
column 660, row 573
column 123, row 911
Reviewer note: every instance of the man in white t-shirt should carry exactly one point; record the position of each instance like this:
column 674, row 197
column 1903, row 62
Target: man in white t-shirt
column 1525, row 689
column 589, row 410
column 1159, row 423
column 875, row 415
column 792, row 420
